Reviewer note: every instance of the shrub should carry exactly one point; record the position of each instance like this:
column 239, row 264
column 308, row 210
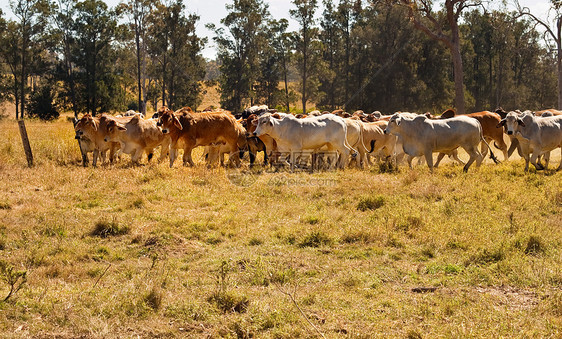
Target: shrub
column 41, row 104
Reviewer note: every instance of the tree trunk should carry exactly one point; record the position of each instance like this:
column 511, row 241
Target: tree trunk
column 137, row 41
column 23, row 75
column 459, row 81
column 304, row 70
column 559, row 66
column 286, row 82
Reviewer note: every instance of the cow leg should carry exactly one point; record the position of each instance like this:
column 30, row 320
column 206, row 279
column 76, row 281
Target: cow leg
column 546, row 157
column 150, row 154
column 164, row 149
column 439, row 158
column 95, row 157
column 103, row 156
column 136, row 156
column 534, row 158
column 455, row 155
column 410, row 158
column 502, row 146
column 252, row 158
column 187, row 160
column 559, row 166
column 429, row 159
column 112, row 152
column 265, row 159
column 514, row 145
column 484, row 148
column 173, row 156
column 474, row 155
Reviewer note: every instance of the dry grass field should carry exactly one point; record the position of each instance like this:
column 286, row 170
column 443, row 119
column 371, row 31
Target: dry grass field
column 122, row 252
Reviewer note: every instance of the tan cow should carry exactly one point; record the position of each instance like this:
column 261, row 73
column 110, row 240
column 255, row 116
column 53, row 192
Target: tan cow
column 488, row 121
column 189, row 130
column 94, row 129
column 137, row 136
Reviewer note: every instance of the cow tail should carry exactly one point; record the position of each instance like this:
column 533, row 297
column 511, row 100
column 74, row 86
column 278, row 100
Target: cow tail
column 372, row 146
column 361, row 136
column 492, row 156
column 353, row 151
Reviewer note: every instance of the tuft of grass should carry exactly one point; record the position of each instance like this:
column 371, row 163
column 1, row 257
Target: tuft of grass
column 311, row 219
column 485, row 256
column 137, row 203
column 358, row 237
column 388, row 167
column 255, row 242
column 535, row 245
column 105, row 228
column 229, row 302
column 153, row 299
column 316, row 239
column 370, row 203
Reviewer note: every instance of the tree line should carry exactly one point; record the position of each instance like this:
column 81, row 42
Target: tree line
column 386, row 55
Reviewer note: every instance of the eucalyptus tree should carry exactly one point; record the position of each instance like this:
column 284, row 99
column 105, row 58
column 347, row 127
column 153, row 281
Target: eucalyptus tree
column 239, row 42
column 553, row 31
column 307, row 47
column 448, row 34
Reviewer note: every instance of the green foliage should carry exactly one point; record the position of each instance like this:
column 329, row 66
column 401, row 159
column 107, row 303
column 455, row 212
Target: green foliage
column 42, row 103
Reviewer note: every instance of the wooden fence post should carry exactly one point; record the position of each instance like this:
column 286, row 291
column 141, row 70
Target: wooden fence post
column 25, row 141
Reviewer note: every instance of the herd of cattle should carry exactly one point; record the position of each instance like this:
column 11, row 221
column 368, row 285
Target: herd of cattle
column 327, row 140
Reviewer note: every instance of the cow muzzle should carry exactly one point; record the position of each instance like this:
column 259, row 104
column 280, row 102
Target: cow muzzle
column 385, row 132
column 106, row 139
column 164, row 131
column 509, row 132
column 254, row 134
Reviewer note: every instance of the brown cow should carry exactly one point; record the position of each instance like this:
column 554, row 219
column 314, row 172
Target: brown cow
column 94, row 129
column 137, row 136
column 189, row 130
column 551, row 110
column 488, row 120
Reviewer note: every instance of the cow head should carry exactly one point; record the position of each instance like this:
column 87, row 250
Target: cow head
column 114, row 128
column 168, row 121
column 449, row 113
column 393, row 124
column 512, row 122
column 86, row 125
column 265, row 124
column 500, row 111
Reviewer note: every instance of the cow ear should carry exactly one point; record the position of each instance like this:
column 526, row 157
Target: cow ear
column 255, row 122
column 501, row 123
column 120, row 127
column 177, row 123
column 276, row 116
column 95, row 125
column 397, row 121
column 520, row 122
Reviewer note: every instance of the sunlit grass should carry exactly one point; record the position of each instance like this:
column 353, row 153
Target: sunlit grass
column 348, row 246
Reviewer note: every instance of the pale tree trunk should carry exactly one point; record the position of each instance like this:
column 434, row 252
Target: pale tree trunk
column 459, row 79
